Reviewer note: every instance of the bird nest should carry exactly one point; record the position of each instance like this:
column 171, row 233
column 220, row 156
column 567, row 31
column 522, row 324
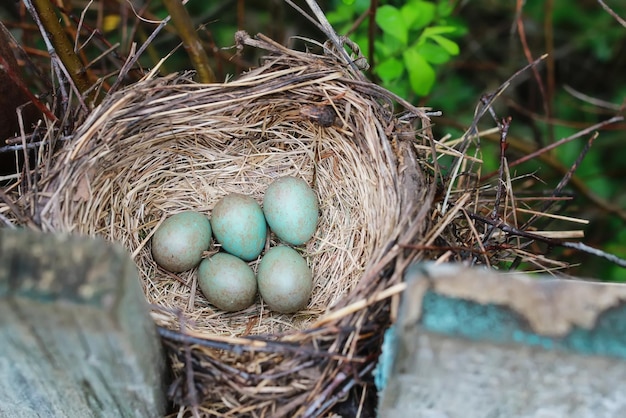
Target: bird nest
column 166, row 145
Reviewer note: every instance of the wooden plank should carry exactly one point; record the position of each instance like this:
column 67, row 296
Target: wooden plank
column 76, row 335
column 477, row 343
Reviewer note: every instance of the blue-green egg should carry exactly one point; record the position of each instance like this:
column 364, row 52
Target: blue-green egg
column 178, row 243
column 239, row 226
column 227, row 282
column 291, row 210
column 285, row 280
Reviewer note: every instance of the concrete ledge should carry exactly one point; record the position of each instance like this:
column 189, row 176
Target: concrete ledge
column 76, row 335
column 476, row 343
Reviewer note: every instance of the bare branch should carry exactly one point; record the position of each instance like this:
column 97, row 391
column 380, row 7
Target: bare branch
column 191, row 41
column 508, row 229
column 612, row 13
column 59, row 46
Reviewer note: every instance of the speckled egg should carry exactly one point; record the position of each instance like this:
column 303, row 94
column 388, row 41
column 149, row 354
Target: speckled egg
column 291, row 210
column 178, row 243
column 285, row 281
column 227, row 282
column 239, row 225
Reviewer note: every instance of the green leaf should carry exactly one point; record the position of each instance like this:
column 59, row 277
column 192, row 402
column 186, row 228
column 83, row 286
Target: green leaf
column 381, row 49
column 451, row 47
column 421, row 73
column 438, row 30
column 389, row 46
column 418, row 14
column 601, row 186
column 459, row 25
column 409, row 15
column 400, row 87
column 389, row 69
column 390, row 20
column 363, row 44
column 445, row 8
column 433, row 53
column 615, row 274
column 360, row 6
column 340, row 15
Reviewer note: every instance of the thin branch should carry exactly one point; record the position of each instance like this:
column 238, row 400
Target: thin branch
column 612, row 13
column 546, row 158
column 249, row 344
column 503, row 127
column 313, row 410
column 371, row 34
column 192, row 394
column 91, row 32
column 332, row 35
column 305, row 14
column 340, row 394
column 593, row 100
column 17, row 146
column 59, row 45
column 550, row 64
column 522, row 35
column 565, row 180
column 547, row 148
column 191, row 41
column 133, row 57
column 8, row 70
column 510, row 230
column 504, row 130
column 473, row 129
column 51, row 51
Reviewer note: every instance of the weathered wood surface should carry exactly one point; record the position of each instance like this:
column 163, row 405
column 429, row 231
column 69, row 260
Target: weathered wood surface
column 474, row 343
column 76, row 337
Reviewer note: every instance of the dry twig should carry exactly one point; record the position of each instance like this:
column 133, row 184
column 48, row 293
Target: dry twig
column 64, row 58
column 191, row 41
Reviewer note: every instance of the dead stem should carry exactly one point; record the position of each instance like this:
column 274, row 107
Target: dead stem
column 191, row 41
column 60, row 46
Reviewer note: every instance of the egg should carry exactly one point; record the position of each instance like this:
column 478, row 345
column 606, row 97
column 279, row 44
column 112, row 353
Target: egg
column 239, row 226
column 178, row 243
column 227, row 282
column 284, row 279
column 291, row 210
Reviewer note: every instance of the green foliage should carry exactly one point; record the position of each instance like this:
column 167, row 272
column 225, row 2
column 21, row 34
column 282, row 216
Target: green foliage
column 593, row 29
column 415, row 40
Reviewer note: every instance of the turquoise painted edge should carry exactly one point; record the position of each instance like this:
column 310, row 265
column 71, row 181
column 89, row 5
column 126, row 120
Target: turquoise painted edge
column 383, row 368
column 500, row 324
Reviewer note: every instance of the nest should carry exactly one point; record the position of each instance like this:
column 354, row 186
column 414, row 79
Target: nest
column 165, row 145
